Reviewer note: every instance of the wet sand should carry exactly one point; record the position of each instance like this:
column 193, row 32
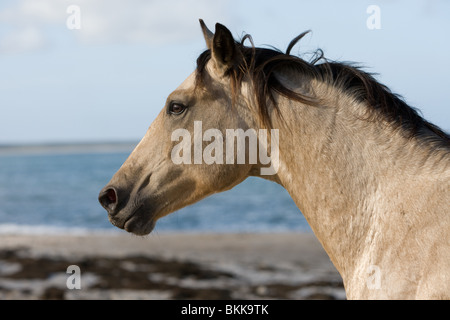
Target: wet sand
column 168, row 266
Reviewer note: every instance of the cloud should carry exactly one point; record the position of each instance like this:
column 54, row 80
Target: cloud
column 152, row 22
column 21, row 40
column 30, row 22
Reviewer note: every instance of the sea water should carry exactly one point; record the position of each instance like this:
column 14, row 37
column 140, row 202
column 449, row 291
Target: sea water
column 57, row 193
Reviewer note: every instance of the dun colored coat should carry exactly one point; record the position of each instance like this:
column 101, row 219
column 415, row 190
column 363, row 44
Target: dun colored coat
column 370, row 175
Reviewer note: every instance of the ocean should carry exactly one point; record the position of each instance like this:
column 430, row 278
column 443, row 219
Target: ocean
column 54, row 190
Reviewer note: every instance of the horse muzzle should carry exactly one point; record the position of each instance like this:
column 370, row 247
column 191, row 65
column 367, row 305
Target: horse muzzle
column 124, row 214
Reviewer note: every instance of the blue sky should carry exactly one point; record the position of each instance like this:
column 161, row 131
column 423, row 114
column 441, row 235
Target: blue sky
column 108, row 80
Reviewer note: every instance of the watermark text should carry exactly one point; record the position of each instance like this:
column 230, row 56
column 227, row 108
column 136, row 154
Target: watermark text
column 74, row 280
column 231, row 149
column 73, row 21
column 373, row 21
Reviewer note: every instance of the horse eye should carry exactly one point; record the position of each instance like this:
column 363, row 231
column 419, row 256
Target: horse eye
column 177, row 108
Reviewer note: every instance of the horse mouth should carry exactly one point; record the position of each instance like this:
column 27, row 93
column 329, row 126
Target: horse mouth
column 138, row 222
column 139, row 227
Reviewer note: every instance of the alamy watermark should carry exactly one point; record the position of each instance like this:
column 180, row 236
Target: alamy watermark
column 373, row 281
column 374, row 20
column 74, row 280
column 73, row 21
column 234, row 140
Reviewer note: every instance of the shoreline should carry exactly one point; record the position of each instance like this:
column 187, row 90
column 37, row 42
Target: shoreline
column 66, row 148
column 168, row 266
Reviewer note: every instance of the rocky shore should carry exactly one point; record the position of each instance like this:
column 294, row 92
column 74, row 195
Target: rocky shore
column 167, row 266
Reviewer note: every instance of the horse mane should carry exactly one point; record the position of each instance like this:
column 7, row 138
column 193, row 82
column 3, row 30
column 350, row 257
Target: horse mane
column 261, row 64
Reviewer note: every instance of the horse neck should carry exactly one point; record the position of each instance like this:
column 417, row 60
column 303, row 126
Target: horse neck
column 333, row 162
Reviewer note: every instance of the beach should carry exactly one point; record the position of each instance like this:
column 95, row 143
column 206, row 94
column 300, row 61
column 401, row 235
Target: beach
column 167, row 266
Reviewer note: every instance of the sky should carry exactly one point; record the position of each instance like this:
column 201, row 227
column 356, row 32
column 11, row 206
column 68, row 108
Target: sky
column 104, row 75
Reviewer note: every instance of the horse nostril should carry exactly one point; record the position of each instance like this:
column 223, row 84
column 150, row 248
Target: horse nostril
column 108, row 199
column 111, row 195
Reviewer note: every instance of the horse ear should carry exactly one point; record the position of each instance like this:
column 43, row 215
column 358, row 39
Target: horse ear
column 209, row 36
column 223, row 48
column 221, row 44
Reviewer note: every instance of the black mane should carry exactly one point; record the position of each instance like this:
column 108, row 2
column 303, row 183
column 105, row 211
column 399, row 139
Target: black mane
column 260, row 65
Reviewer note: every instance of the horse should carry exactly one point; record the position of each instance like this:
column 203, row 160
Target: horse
column 370, row 175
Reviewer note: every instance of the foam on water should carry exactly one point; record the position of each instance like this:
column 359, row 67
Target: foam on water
column 22, row 229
